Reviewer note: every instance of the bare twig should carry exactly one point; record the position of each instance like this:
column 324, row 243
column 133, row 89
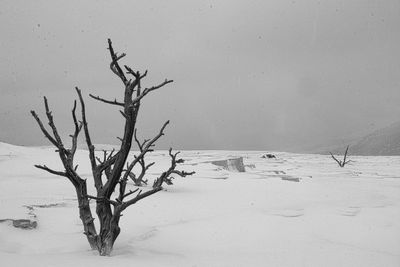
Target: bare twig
column 44, row 167
column 114, row 102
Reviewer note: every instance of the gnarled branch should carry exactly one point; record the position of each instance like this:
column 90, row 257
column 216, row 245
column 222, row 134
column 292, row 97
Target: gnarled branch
column 145, row 149
column 66, row 156
column 114, row 66
column 165, row 177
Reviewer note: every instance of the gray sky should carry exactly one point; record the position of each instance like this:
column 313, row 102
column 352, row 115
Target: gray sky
column 248, row 74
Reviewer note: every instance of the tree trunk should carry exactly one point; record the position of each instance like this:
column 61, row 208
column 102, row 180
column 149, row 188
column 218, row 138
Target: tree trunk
column 109, row 228
column 86, row 215
column 107, row 242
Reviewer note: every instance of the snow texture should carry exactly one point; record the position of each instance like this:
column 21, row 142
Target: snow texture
column 295, row 210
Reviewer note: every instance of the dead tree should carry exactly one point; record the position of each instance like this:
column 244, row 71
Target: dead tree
column 344, row 162
column 110, row 177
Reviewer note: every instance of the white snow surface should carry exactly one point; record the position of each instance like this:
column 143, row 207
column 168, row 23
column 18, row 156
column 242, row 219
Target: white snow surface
column 332, row 217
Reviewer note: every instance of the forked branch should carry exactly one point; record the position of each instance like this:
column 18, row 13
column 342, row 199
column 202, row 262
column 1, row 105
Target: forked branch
column 66, row 155
column 166, row 176
column 140, row 196
column 43, row 129
column 114, row 66
column 340, row 162
column 148, row 90
column 145, row 148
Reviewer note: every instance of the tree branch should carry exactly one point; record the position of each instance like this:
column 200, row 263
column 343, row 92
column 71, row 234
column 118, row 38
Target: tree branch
column 115, row 102
column 100, row 199
column 53, row 127
column 345, row 155
column 338, row 161
column 44, row 167
column 133, row 73
column 148, row 90
column 46, row 133
column 86, row 130
column 145, row 149
column 139, row 197
column 165, row 176
column 344, row 162
column 114, row 66
column 66, row 156
column 78, row 128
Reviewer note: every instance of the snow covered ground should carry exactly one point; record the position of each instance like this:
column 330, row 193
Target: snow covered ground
column 332, row 217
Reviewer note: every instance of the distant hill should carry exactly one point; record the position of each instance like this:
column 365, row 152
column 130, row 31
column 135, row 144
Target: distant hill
column 382, row 142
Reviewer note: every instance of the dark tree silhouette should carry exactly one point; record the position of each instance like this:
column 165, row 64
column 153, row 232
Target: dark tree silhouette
column 340, row 162
column 108, row 172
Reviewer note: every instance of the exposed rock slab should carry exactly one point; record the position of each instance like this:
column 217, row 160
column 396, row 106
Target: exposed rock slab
column 235, row 164
column 291, row 179
column 268, row 156
column 22, row 223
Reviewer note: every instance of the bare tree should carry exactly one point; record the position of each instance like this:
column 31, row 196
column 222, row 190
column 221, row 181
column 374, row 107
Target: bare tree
column 340, row 162
column 108, row 172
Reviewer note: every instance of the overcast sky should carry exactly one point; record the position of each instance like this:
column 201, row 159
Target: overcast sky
column 247, row 74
